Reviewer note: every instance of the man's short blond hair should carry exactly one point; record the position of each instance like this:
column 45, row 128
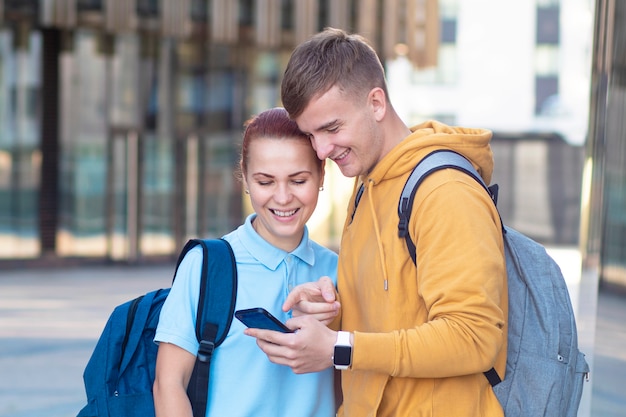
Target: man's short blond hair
column 330, row 58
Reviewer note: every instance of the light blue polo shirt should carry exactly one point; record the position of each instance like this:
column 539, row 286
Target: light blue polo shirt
column 243, row 382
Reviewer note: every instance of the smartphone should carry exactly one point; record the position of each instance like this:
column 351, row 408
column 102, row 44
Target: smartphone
column 260, row 318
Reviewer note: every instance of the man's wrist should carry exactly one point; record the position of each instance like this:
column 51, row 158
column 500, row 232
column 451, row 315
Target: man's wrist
column 342, row 354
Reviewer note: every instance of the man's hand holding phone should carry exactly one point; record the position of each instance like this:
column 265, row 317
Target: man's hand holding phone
column 307, row 349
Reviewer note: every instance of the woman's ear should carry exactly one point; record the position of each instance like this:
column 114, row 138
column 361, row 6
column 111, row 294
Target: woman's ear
column 242, row 173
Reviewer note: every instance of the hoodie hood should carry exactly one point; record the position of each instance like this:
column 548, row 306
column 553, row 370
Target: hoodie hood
column 400, row 161
column 430, row 136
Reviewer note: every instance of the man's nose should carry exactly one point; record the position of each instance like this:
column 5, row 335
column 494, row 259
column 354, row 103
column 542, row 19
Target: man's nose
column 323, row 147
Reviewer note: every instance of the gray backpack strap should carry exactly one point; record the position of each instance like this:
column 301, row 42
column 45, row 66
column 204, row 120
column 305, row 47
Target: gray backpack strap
column 440, row 159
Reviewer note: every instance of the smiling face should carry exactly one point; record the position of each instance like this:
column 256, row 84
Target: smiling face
column 283, row 177
column 346, row 129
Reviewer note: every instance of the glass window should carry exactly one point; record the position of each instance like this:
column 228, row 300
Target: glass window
column 22, row 7
column 614, row 230
column 219, row 187
column 246, row 13
column 546, row 90
column 126, row 82
column 89, row 5
column 20, row 157
column 158, row 189
column 548, row 25
column 84, row 154
column 148, row 8
column 287, row 14
column 220, row 203
column 448, row 30
column 199, row 10
column 548, row 3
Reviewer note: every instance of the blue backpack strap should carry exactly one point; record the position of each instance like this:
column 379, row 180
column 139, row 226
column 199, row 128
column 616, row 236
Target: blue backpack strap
column 216, row 307
column 440, row 159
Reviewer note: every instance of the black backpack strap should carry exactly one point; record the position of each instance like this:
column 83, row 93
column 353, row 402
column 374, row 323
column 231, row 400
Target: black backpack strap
column 493, row 377
column 440, row 159
column 216, row 306
column 130, row 319
column 357, row 199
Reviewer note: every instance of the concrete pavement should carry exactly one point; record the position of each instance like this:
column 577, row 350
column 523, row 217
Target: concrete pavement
column 50, row 321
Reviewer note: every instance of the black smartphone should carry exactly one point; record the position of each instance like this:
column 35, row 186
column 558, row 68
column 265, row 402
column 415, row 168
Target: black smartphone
column 260, row 318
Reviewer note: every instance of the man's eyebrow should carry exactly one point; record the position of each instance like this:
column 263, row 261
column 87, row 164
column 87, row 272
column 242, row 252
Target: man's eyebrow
column 327, row 125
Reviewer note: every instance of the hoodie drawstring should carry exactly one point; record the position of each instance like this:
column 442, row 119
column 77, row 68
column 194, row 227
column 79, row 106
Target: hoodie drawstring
column 378, row 238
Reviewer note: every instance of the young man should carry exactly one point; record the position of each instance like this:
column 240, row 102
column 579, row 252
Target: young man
column 413, row 340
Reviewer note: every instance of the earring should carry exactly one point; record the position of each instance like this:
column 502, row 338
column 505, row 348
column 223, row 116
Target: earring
column 321, row 188
column 247, row 191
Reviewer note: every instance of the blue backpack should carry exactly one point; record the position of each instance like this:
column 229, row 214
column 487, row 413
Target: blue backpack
column 544, row 369
column 120, row 373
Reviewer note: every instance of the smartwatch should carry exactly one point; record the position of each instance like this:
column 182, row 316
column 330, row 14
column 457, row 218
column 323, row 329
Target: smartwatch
column 342, row 358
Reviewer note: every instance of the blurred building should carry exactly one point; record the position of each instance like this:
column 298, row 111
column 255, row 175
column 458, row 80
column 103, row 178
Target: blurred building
column 604, row 192
column 120, row 120
column 526, row 74
column 528, row 80
column 550, row 84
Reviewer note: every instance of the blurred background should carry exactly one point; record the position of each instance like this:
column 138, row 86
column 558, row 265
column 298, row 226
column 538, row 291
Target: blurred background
column 121, row 120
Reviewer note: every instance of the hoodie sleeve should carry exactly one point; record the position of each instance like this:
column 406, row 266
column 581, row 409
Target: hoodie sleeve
column 461, row 284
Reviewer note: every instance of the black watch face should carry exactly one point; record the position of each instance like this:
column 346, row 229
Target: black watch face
column 342, row 355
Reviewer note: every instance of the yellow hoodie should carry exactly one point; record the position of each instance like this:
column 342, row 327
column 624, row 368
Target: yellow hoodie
column 424, row 336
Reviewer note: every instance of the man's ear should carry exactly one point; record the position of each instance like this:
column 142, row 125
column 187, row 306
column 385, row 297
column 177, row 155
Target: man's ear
column 377, row 99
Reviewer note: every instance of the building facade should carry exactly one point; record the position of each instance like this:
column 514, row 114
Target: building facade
column 120, row 120
column 528, row 80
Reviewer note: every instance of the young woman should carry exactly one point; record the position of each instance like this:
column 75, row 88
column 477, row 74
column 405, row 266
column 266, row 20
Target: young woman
column 283, row 176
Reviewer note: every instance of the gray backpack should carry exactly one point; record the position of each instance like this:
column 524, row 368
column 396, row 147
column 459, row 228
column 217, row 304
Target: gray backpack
column 544, row 369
